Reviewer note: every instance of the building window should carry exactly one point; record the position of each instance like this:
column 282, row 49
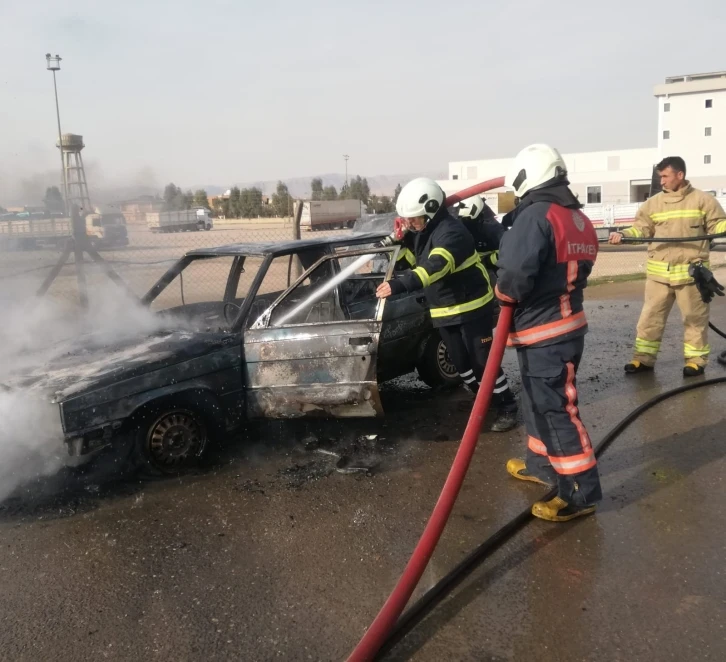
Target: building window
column 666, row 135
column 594, row 195
column 707, row 159
column 708, row 131
column 666, row 108
column 709, row 103
column 455, row 177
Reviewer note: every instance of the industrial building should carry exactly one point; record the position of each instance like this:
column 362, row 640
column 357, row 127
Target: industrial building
column 691, row 124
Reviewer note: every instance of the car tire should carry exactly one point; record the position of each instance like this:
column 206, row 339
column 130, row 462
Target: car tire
column 434, row 367
column 169, row 438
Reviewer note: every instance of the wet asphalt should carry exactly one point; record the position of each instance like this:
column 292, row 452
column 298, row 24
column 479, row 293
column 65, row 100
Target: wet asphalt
column 271, row 553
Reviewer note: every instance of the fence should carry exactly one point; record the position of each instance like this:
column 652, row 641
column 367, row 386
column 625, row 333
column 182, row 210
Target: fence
column 149, row 255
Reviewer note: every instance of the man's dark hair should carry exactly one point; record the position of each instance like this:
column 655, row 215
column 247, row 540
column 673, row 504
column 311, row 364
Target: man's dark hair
column 675, row 162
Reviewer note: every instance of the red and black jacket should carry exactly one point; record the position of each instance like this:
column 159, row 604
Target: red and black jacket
column 544, row 263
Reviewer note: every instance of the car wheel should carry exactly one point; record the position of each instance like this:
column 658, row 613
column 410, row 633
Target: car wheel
column 435, row 368
column 170, row 440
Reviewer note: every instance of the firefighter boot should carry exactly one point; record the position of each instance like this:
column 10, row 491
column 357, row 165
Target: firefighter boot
column 634, row 367
column 693, row 370
column 505, row 421
column 558, row 510
column 518, row 469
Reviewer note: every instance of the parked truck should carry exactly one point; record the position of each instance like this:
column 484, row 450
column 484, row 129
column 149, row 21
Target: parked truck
column 33, row 230
column 330, row 214
column 190, row 220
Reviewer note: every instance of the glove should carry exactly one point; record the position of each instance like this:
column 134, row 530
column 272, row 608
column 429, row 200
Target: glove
column 399, row 230
column 707, row 285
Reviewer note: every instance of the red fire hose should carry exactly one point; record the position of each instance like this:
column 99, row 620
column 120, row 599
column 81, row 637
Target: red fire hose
column 394, row 606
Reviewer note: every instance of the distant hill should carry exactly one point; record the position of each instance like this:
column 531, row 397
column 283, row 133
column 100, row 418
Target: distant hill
column 299, row 187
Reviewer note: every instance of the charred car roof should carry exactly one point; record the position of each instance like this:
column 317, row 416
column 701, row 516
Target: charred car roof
column 286, row 247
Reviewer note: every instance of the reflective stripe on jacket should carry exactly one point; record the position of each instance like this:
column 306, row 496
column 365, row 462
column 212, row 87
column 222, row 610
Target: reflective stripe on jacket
column 448, row 269
column 544, row 263
column 687, row 212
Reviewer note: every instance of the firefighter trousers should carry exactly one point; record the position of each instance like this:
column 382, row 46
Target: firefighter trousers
column 659, row 299
column 468, row 345
column 558, row 445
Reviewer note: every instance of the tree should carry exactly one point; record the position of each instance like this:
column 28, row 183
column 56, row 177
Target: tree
column 316, row 189
column 396, row 193
column 200, row 199
column 281, row 200
column 382, row 205
column 174, row 199
column 357, row 189
column 251, row 203
column 330, row 193
column 235, row 203
column 53, row 200
column 221, row 207
column 188, row 200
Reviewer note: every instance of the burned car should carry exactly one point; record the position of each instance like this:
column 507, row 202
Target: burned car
column 280, row 330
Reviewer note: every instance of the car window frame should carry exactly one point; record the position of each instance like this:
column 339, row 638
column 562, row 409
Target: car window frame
column 263, row 321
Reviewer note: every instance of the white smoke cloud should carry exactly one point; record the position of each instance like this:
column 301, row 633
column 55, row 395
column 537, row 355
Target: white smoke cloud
column 33, row 332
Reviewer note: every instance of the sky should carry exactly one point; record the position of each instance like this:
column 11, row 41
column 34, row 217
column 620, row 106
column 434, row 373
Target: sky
column 222, row 92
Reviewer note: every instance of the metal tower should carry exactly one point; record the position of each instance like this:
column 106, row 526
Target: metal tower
column 71, row 145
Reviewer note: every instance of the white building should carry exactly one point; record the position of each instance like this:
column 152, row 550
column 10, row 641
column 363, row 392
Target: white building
column 691, row 124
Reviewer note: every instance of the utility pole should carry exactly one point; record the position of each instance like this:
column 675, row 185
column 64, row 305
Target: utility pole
column 346, row 157
column 53, row 64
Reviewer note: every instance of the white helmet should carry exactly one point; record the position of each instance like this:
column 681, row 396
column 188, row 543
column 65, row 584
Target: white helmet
column 534, row 167
column 420, row 197
column 471, row 207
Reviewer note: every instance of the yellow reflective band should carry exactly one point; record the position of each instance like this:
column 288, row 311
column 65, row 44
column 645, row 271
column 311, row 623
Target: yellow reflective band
column 690, row 352
column 469, row 262
column 421, row 273
column 442, row 252
column 484, row 272
column 462, row 308
column 645, row 347
column 633, row 232
column 675, row 273
column 720, row 227
column 659, row 217
column 407, row 255
column 651, row 343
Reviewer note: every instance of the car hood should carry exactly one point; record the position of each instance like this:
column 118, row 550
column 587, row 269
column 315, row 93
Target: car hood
column 73, row 368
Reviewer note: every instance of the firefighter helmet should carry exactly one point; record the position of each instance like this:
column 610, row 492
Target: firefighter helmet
column 536, row 166
column 420, row 197
column 471, row 207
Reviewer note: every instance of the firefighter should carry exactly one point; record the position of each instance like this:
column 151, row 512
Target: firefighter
column 544, row 262
column 678, row 211
column 482, row 223
column 456, row 285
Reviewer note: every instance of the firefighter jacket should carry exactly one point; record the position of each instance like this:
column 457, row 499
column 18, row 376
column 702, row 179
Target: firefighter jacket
column 487, row 233
column 448, row 269
column 687, row 212
column 544, row 262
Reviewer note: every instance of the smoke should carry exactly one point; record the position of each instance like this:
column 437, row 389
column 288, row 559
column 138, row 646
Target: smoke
column 34, row 333
column 21, row 186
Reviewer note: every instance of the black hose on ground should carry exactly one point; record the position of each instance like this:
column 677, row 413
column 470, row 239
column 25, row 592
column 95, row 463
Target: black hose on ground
column 422, row 607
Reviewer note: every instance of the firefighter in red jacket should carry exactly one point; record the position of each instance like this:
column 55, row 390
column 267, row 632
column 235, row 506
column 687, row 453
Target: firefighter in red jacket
column 544, row 262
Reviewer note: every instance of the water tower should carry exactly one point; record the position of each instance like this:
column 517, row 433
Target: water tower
column 71, row 145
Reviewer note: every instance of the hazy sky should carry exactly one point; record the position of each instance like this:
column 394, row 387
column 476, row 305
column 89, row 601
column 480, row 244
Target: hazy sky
column 218, row 92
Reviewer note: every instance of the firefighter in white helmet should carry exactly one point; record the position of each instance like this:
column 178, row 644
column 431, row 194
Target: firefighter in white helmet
column 482, row 223
column 460, row 296
column 544, row 262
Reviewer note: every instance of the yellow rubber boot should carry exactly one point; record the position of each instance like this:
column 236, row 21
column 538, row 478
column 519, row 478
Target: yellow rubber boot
column 518, row 469
column 558, row 510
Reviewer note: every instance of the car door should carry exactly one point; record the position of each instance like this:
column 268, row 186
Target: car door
column 311, row 355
